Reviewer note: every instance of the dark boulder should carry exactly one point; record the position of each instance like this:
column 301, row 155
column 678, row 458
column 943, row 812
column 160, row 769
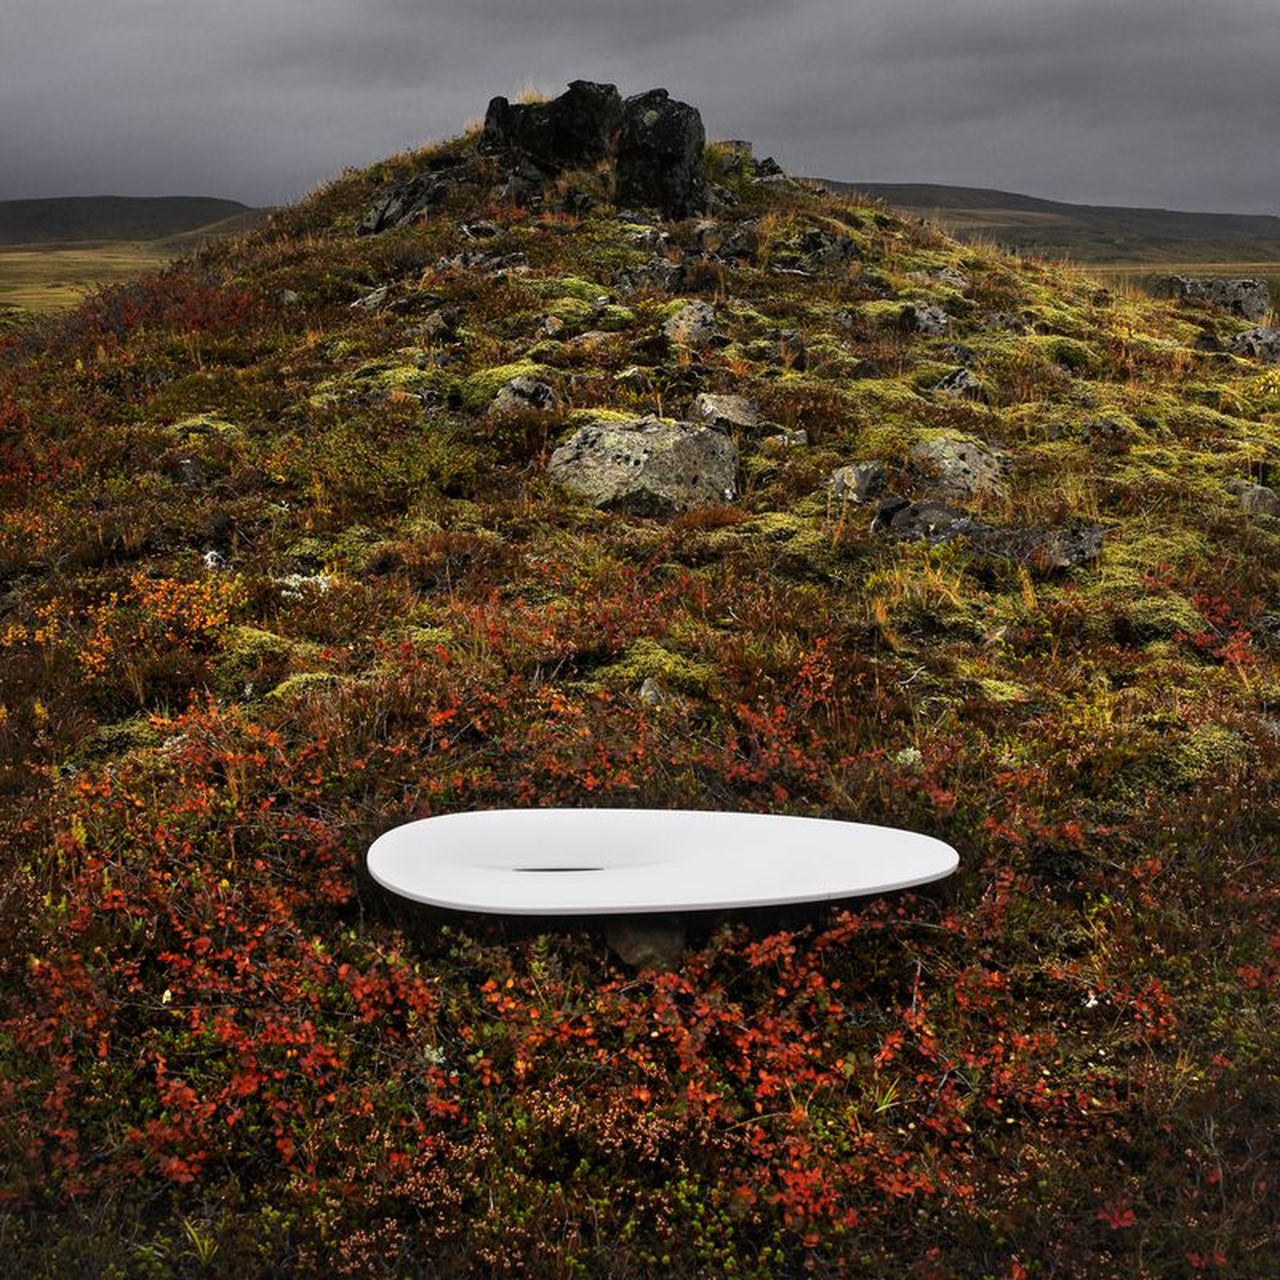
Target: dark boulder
column 659, row 160
column 569, row 132
column 403, row 203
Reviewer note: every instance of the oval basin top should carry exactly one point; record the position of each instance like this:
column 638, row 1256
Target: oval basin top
column 632, row 861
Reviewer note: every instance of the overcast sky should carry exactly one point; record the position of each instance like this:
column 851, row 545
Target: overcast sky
column 1156, row 102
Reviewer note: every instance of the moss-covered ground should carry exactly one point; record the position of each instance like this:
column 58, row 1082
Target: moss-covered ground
column 272, row 580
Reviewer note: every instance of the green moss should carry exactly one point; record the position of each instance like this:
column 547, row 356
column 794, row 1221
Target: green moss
column 573, row 311
column 614, row 319
column 258, row 658
column 648, row 660
column 302, row 683
column 583, row 290
column 202, row 425
column 479, row 388
column 1070, row 353
column 119, row 739
column 1210, row 748
column 1159, row 615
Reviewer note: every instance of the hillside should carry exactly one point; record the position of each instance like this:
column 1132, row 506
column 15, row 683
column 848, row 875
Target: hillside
column 569, row 463
column 1086, row 233
column 99, row 219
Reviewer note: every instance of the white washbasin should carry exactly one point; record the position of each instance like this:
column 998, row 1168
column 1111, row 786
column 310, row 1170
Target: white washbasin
column 632, row 861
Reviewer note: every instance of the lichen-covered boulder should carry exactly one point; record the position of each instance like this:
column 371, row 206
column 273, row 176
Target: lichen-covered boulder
column 962, row 469
column 522, row 394
column 660, row 155
column 1256, row 499
column 1260, row 342
column 919, row 317
column 858, row 482
column 694, row 325
column 1244, row 297
column 960, row 382
column 647, row 466
column 728, row 413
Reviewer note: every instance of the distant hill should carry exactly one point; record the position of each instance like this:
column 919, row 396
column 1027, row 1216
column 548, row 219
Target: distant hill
column 1087, row 233
column 99, row 219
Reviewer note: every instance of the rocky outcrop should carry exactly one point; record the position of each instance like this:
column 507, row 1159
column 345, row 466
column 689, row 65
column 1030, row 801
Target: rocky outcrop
column 653, row 143
column 1248, row 298
column 577, row 129
column 646, row 466
column 659, row 160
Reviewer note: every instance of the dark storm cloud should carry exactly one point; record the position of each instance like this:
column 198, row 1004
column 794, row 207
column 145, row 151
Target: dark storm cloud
column 1128, row 101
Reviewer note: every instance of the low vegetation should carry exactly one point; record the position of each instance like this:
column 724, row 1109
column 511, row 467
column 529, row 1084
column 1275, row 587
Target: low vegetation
column 273, row 578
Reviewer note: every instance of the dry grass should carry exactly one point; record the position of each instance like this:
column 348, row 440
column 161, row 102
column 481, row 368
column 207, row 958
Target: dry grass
column 42, row 278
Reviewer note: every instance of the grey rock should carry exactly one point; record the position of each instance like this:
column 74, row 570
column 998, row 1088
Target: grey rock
column 1261, row 343
column 964, row 469
column 635, row 379
column 660, row 155
column 741, row 244
column 647, row 942
column 657, row 273
column 652, row 694
column 569, row 132
column 373, row 300
column 647, row 467
column 214, row 561
column 694, row 325
column 442, row 324
column 929, row 521
column 1044, row 549
column 932, row 321
column 1246, row 297
column 290, row 297
column 857, row 482
column 524, row 393
column 726, row 413
column 1108, row 435
column 961, row 383
column 1256, row 499
column 482, row 230
column 1003, row 321
column 785, row 440
column 825, row 251
column 403, row 203
column 651, row 238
